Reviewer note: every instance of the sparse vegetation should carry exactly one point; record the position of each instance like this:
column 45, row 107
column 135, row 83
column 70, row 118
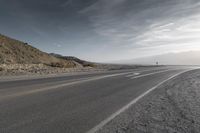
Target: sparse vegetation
column 16, row 52
column 17, row 57
column 89, row 65
column 71, row 58
column 56, row 64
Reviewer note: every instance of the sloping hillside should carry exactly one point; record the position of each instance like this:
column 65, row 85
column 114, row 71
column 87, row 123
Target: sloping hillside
column 16, row 52
column 72, row 58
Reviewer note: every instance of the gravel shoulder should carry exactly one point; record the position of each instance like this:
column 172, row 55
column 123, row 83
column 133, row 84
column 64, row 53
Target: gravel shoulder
column 174, row 107
column 30, row 71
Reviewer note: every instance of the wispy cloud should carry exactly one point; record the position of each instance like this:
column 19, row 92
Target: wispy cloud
column 147, row 23
column 132, row 28
column 181, row 32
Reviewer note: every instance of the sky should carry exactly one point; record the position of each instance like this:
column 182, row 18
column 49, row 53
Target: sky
column 104, row 30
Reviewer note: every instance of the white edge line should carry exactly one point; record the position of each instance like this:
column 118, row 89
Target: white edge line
column 106, row 121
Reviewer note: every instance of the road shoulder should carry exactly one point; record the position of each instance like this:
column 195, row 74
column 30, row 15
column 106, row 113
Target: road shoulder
column 172, row 107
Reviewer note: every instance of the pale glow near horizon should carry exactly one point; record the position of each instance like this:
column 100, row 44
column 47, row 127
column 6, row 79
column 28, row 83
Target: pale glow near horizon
column 178, row 36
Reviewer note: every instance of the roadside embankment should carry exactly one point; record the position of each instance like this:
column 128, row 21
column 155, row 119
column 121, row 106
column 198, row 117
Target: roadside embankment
column 174, row 107
column 37, row 69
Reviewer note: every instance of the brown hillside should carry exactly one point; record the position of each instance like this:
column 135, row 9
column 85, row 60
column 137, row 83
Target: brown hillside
column 16, row 52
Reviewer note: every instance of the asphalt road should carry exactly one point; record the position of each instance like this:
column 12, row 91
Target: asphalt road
column 72, row 104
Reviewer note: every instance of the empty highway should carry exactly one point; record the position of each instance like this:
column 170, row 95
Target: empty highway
column 74, row 103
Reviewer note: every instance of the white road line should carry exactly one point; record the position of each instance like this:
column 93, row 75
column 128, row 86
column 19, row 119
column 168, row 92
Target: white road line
column 131, row 75
column 139, row 72
column 136, row 73
column 152, row 73
column 106, row 121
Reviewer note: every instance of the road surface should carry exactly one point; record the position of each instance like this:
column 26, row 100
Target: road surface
column 73, row 104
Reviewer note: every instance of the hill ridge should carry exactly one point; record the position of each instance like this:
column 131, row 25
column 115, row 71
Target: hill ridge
column 13, row 51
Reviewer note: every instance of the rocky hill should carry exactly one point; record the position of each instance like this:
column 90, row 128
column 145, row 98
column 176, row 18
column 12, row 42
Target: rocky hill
column 77, row 60
column 16, row 52
column 19, row 58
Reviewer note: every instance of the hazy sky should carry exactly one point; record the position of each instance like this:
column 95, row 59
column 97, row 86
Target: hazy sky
column 104, row 30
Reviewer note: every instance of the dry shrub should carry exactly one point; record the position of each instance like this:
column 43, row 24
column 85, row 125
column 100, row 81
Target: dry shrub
column 1, row 69
column 56, row 64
